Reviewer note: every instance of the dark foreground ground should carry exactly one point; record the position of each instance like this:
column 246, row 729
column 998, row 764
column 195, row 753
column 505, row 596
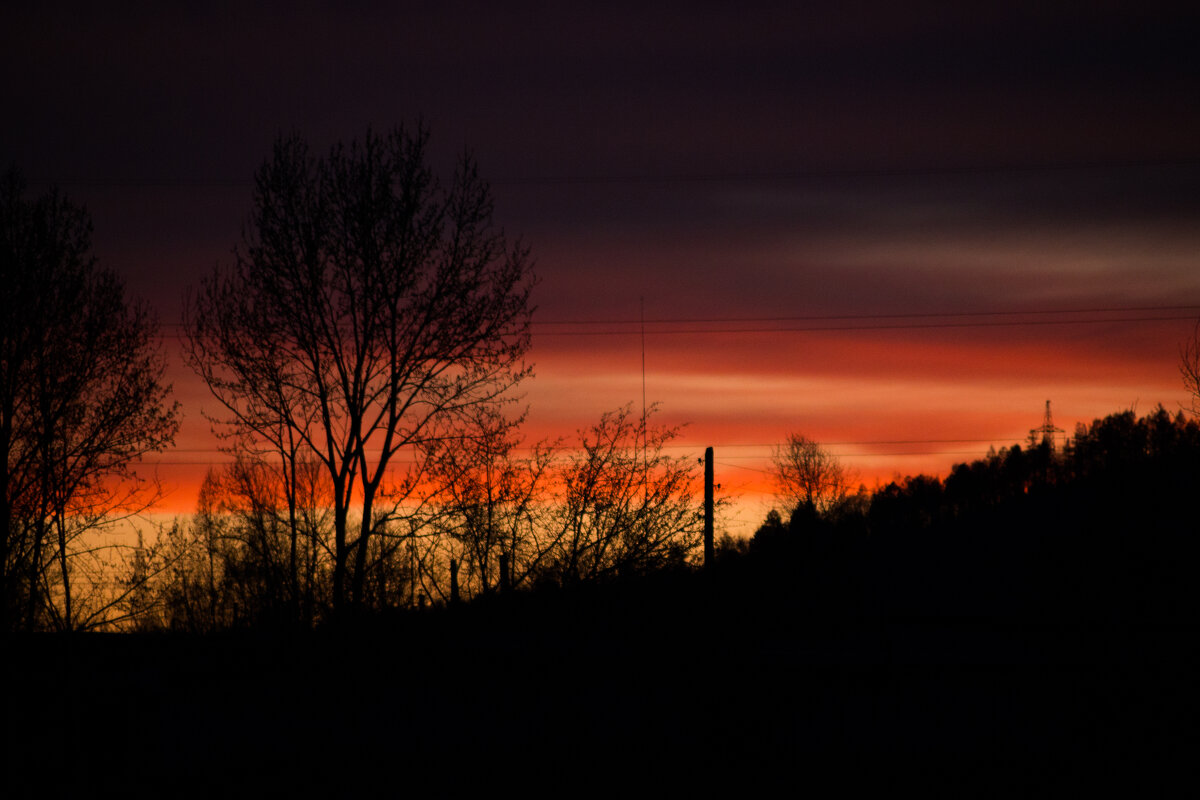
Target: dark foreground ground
column 677, row 682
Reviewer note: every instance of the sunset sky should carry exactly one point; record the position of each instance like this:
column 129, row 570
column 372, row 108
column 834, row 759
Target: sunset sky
column 896, row 228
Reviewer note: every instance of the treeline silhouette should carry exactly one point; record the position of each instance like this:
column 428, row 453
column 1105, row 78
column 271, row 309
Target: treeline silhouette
column 82, row 400
column 1102, row 530
column 364, row 345
column 256, row 556
column 1034, row 608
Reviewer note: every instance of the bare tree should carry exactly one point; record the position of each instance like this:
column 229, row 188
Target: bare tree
column 370, row 308
column 81, row 401
column 1189, row 367
column 614, row 504
column 195, row 595
column 807, row 474
column 490, row 502
column 625, row 505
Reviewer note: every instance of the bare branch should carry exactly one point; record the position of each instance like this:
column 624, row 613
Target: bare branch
column 369, row 311
column 807, row 474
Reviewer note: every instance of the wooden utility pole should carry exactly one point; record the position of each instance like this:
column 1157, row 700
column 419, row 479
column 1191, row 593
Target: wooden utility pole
column 708, row 507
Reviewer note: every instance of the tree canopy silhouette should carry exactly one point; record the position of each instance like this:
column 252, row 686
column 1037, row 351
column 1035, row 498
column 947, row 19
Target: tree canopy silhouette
column 370, row 309
column 81, row 400
column 1102, row 528
column 1189, row 367
column 808, row 475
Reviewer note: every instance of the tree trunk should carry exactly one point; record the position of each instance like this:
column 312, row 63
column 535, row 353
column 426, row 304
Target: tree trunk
column 360, row 555
column 339, row 556
column 60, row 524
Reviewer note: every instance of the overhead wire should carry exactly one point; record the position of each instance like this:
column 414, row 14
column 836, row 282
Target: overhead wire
column 696, row 448
column 835, row 317
column 853, row 317
column 860, row 328
column 759, row 176
column 711, row 324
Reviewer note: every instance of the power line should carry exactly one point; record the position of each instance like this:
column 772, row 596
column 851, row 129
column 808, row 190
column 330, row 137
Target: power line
column 887, row 454
column 873, row 442
column 835, row 317
column 855, row 317
column 843, row 172
column 528, row 448
column 924, row 441
column 177, row 334
column 912, row 454
column 695, row 448
column 692, row 177
column 739, row 466
column 860, row 328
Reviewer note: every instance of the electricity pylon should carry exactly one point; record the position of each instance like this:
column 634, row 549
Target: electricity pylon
column 1047, row 430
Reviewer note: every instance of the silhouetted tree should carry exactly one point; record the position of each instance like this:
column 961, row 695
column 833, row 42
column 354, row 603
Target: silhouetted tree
column 807, row 474
column 228, row 567
column 625, row 506
column 194, row 591
column 489, row 501
column 772, row 535
column 1189, row 367
column 370, row 308
column 81, row 401
column 913, row 504
column 275, row 539
column 731, row 547
column 615, row 505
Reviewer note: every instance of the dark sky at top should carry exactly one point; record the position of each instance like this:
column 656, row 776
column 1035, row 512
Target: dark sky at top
column 654, row 125
column 146, row 93
column 715, row 160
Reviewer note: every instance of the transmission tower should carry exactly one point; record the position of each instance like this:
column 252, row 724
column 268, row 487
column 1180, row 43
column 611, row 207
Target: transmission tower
column 1047, row 429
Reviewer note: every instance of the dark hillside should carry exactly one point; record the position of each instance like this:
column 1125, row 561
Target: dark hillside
column 605, row 682
column 1026, row 613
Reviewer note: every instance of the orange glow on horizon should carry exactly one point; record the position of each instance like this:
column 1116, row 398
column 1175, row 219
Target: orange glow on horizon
column 889, row 404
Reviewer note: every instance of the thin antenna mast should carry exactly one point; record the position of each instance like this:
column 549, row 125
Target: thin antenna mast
column 645, row 459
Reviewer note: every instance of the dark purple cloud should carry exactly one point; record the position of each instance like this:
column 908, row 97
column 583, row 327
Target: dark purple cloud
column 726, row 160
column 164, row 94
